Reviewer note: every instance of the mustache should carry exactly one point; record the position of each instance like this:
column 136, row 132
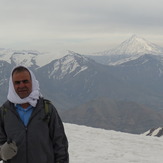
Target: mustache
column 22, row 89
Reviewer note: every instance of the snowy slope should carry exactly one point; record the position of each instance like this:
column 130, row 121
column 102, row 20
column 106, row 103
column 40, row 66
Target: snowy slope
column 154, row 132
column 103, row 146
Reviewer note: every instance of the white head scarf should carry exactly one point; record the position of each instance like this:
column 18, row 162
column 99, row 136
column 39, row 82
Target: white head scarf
column 31, row 99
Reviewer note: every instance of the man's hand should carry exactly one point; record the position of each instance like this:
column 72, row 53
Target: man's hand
column 8, row 150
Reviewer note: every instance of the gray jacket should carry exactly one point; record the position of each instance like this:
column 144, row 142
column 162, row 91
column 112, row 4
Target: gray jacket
column 39, row 142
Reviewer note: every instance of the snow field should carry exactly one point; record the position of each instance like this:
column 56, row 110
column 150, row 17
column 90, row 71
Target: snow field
column 94, row 145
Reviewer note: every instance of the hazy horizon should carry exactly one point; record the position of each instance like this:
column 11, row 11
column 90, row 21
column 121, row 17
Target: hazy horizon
column 81, row 26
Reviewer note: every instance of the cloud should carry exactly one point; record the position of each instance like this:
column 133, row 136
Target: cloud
column 76, row 22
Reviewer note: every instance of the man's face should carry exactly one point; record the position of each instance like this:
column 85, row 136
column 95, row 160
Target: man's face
column 22, row 83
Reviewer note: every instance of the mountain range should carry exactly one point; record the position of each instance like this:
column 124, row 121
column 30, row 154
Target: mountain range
column 119, row 89
column 128, row 50
column 105, row 113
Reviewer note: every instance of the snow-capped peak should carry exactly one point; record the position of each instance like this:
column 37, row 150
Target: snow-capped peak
column 135, row 46
column 76, row 56
column 73, row 63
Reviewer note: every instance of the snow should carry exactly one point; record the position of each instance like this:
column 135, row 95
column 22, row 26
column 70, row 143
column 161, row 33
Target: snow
column 94, row 145
column 82, row 69
column 5, row 54
column 154, row 132
column 124, row 60
column 23, row 58
column 67, row 65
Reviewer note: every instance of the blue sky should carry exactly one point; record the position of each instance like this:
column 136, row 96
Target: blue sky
column 83, row 26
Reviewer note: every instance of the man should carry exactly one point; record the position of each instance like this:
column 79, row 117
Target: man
column 25, row 134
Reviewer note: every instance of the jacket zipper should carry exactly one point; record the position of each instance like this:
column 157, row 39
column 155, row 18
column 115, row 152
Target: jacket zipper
column 26, row 130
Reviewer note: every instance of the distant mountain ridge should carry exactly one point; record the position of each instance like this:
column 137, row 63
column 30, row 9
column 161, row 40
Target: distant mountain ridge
column 28, row 58
column 74, row 80
column 72, row 63
column 114, row 115
column 130, row 49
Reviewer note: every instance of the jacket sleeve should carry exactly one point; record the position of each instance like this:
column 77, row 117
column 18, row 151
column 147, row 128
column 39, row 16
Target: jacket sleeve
column 58, row 136
column 3, row 137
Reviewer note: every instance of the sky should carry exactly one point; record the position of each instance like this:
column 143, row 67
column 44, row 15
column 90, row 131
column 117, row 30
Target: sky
column 82, row 26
